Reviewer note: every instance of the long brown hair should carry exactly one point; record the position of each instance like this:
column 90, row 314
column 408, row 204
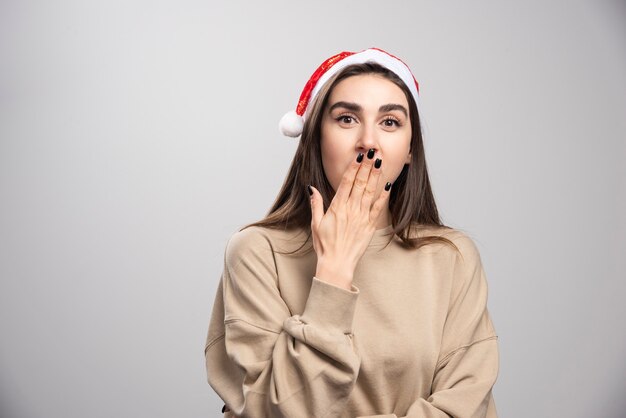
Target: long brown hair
column 411, row 203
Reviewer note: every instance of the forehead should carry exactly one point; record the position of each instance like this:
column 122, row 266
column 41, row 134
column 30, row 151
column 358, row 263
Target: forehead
column 368, row 89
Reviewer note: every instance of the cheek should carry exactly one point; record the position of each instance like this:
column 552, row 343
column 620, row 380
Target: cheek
column 392, row 173
column 336, row 158
column 396, row 160
column 332, row 162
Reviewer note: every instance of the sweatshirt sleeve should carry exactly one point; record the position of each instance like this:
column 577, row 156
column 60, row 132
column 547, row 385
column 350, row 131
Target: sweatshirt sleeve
column 468, row 362
column 268, row 361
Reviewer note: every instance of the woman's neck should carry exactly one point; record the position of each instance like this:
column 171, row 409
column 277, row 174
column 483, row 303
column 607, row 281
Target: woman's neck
column 384, row 219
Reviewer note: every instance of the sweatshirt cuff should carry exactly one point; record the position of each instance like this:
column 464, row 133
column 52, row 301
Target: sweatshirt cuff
column 330, row 306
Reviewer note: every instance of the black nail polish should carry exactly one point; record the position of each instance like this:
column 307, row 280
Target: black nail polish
column 310, row 190
column 387, row 186
column 370, row 153
column 359, row 157
column 378, row 163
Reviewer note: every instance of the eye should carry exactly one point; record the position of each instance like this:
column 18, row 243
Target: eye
column 345, row 119
column 391, row 122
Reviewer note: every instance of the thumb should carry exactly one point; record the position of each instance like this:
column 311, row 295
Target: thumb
column 317, row 206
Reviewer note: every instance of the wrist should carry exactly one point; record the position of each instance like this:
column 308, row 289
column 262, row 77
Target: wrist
column 334, row 273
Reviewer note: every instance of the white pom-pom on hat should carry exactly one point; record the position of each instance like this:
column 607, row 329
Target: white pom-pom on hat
column 291, row 124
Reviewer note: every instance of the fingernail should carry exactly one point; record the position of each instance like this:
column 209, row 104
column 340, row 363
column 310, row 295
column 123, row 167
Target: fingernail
column 359, row 157
column 387, row 186
column 370, row 153
column 310, row 190
column 378, row 163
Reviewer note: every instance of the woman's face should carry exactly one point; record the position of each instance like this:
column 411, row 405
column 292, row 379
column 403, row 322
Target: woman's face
column 365, row 112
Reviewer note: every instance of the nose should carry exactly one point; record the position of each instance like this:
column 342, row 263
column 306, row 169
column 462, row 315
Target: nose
column 367, row 140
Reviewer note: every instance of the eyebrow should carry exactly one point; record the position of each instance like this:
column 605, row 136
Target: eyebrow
column 354, row 107
column 392, row 106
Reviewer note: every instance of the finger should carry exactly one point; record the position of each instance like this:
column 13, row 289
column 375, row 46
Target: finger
column 371, row 186
column 360, row 181
column 343, row 191
column 380, row 203
column 317, row 207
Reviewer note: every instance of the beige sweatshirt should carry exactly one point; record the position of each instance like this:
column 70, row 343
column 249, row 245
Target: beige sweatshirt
column 412, row 339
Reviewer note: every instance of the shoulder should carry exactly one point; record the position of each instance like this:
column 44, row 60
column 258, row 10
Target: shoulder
column 255, row 242
column 464, row 248
column 462, row 262
column 247, row 243
column 246, row 238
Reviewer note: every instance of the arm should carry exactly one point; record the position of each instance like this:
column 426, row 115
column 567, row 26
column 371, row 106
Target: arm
column 468, row 363
column 268, row 362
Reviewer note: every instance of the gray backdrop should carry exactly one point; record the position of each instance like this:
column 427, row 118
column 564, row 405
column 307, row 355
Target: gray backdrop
column 137, row 136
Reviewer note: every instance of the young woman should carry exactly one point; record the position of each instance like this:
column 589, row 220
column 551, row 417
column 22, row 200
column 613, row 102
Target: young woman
column 351, row 298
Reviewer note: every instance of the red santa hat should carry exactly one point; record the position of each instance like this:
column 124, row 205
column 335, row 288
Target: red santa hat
column 292, row 122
